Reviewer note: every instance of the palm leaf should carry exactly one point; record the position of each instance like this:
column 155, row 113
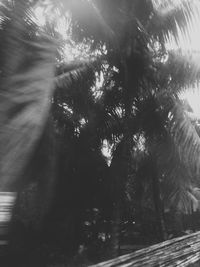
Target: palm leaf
column 169, row 17
column 74, row 71
column 186, row 138
column 25, row 103
column 180, row 71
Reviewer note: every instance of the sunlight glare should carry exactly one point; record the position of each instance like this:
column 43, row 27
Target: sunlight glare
column 107, row 151
column 188, row 43
column 166, row 6
column 40, row 17
column 193, row 98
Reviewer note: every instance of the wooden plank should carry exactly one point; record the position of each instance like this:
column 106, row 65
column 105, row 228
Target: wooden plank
column 176, row 252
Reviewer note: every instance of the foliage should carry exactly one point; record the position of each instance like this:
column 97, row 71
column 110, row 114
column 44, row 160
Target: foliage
column 124, row 90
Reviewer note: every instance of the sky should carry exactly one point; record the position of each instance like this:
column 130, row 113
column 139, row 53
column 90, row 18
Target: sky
column 190, row 44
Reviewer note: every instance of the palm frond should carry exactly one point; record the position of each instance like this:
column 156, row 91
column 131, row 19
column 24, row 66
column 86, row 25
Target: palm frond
column 182, row 71
column 185, row 138
column 70, row 73
column 171, row 16
column 184, row 200
column 25, row 103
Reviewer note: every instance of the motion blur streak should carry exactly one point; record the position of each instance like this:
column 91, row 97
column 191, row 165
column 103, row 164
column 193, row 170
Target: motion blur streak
column 7, row 201
column 26, row 89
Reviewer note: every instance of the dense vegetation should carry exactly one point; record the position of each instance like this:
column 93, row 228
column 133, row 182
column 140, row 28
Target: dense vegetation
column 116, row 89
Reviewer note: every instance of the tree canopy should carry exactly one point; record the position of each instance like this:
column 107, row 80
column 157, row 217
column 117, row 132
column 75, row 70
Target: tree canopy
column 79, row 78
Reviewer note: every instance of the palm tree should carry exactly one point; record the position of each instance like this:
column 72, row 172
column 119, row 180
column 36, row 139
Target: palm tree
column 129, row 52
column 130, row 36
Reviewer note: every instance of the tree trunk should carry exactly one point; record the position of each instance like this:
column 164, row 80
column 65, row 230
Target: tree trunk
column 47, row 173
column 124, row 163
column 158, row 206
column 117, row 194
column 115, row 231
